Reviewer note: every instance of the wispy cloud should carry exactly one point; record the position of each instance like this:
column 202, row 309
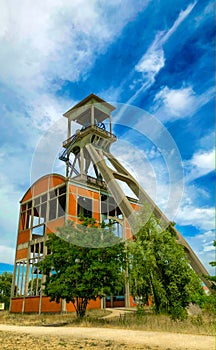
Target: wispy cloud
column 7, row 254
column 192, row 211
column 207, row 141
column 9, row 197
column 200, row 164
column 208, row 10
column 182, row 15
column 42, row 46
column 154, row 59
column 201, row 218
column 173, row 104
column 158, row 168
column 202, row 244
column 57, row 39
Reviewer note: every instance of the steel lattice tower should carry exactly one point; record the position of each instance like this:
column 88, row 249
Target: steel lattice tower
column 90, row 146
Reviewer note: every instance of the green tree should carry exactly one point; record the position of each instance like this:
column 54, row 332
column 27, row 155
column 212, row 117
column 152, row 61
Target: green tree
column 209, row 301
column 160, row 269
column 212, row 278
column 34, row 286
column 85, row 263
column 5, row 288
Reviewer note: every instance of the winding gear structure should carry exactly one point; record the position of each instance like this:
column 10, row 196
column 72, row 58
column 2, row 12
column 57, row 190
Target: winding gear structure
column 91, row 145
column 91, row 188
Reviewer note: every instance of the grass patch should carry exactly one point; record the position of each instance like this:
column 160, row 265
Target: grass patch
column 35, row 319
column 162, row 323
column 199, row 324
column 192, row 325
column 48, row 319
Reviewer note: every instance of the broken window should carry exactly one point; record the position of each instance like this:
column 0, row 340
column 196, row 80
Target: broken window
column 25, row 220
column 35, row 213
column 52, row 209
column 35, row 275
column 38, row 231
column 57, row 203
column 111, row 214
column 84, row 207
column 109, row 207
column 19, row 286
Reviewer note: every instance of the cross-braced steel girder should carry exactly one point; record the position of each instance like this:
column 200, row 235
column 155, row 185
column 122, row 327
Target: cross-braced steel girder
column 91, row 145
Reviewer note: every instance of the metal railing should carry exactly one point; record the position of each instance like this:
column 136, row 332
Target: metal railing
column 94, row 127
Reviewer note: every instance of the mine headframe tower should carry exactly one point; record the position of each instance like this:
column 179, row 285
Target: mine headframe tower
column 90, row 148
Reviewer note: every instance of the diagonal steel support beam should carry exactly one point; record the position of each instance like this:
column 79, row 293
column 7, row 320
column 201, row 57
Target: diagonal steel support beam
column 110, row 176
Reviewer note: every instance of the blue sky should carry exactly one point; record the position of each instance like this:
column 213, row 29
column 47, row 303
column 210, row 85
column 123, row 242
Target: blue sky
column 154, row 60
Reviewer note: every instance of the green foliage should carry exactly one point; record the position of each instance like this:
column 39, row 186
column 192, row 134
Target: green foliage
column 5, row 288
column 34, row 286
column 84, row 264
column 209, row 303
column 159, row 268
column 88, row 234
column 212, row 278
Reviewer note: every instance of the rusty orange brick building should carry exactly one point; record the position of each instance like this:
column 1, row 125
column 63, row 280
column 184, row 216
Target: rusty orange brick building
column 91, row 188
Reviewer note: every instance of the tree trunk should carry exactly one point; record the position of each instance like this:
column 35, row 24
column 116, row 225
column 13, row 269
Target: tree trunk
column 81, row 305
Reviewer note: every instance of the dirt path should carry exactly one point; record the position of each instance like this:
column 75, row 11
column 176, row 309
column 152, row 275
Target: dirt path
column 134, row 339
column 117, row 312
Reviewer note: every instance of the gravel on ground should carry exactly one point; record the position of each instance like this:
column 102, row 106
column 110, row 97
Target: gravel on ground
column 47, row 338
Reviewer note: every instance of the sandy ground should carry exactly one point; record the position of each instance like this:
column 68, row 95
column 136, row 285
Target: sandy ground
column 47, row 338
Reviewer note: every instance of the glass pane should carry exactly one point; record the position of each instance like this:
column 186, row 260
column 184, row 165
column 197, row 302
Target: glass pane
column 43, row 212
column 22, row 221
column 117, row 229
column 36, row 216
column 61, row 205
column 112, row 206
column 44, row 198
column 37, row 201
column 39, row 231
column 84, row 207
column 62, row 190
column 52, row 209
column 28, row 219
column 52, row 194
column 104, row 207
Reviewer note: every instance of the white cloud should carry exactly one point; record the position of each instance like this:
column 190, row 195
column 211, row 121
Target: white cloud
column 147, row 167
column 172, row 104
column 178, row 102
column 9, row 198
column 41, row 45
column 207, row 141
column 181, row 17
column 150, row 172
column 153, row 59
column 200, row 164
column 201, row 218
column 138, row 165
column 208, row 10
column 150, row 169
column 44, row 43
column 7, row 254
column 44, row 110
column 151, row 63
column 202, row 245
column 57, row 39
column 204, row 160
